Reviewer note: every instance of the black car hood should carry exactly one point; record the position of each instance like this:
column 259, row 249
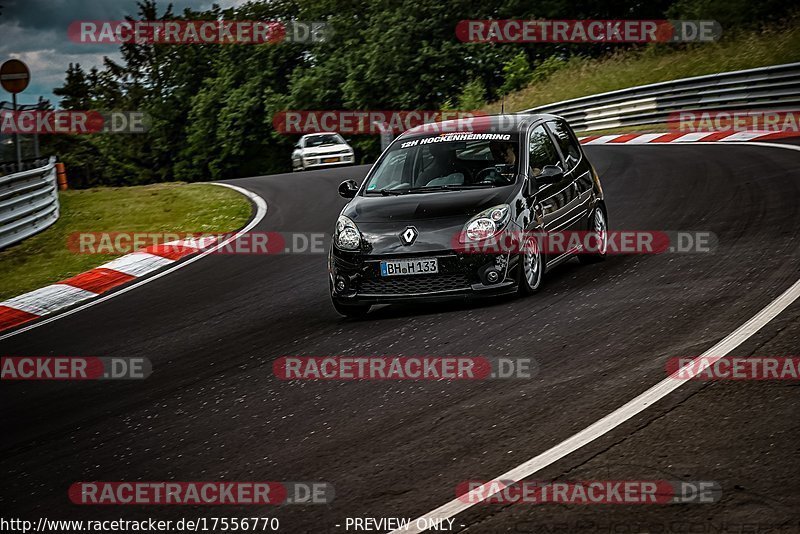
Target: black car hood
column 422, row 206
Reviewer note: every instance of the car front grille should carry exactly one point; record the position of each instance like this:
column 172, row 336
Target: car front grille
column 405, row 285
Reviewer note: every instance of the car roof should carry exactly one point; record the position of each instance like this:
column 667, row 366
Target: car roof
column 507, row 123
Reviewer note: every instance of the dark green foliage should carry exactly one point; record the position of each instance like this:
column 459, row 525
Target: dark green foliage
column 212, row 105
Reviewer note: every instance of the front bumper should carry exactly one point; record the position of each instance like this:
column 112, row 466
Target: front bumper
column 320, row 164
column 460, row 276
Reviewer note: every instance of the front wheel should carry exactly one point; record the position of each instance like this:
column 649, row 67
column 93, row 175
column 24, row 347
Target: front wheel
column 353, row 311
column 598, row 224
column 532, row 266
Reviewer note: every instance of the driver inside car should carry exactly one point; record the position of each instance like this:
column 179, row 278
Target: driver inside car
column 503, row 153
column 504, row 156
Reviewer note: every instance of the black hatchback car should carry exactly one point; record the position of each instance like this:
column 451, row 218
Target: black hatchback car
column 414, row 228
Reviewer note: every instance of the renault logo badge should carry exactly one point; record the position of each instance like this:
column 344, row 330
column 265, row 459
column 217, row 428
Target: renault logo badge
column 409, row 235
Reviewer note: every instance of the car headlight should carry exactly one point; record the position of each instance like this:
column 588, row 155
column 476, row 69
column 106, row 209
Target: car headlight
column 486, row 224
column 346, row 236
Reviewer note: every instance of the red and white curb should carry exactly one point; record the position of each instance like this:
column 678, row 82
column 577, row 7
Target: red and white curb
column 693, row 137
column 89, row 285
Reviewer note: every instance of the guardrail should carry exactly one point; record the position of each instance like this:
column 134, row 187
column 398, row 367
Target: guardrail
column 25, row 165
column 28, row 203
column 765, row 88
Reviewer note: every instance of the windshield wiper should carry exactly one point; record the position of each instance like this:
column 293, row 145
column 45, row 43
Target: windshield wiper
column 407, row 190
column 469, row 186
column 449, row 187
column 431, row 189
column 386, row 192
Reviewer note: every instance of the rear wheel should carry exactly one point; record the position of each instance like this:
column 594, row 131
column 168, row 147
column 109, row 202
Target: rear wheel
column 532, row 266
column 353, row 311
column 598, row 224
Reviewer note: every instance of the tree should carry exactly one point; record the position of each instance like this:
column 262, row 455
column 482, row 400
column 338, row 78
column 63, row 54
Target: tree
column 517, row 73
column 211, row 106
column 473, row 96
column 75, row 93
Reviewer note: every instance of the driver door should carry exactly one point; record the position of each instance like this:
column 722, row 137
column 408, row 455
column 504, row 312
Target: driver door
column 577, row 171
column 553, row 199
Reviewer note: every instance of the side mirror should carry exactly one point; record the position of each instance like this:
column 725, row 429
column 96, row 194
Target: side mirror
column 348, row 188
column 551, row 174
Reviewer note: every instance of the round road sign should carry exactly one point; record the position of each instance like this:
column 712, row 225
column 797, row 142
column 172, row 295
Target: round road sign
column 14, row 76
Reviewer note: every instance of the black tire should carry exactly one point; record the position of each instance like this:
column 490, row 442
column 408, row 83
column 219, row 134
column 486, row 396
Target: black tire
column 598, row 222
column 353, row 311
column 531, row 267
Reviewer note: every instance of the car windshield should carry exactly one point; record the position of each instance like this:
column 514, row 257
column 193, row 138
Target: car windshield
column 447, row 161
column 323, row 140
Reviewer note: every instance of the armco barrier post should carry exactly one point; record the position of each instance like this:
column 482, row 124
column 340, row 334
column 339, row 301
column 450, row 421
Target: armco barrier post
column 61, row 175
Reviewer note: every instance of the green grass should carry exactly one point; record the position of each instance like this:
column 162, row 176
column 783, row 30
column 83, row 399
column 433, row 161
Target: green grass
column 174, row 207
column 658, row 63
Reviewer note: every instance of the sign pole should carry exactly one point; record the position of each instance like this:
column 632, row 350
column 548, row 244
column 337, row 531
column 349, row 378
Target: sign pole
column 16, row 134
column 39, row 107
column 14, row 77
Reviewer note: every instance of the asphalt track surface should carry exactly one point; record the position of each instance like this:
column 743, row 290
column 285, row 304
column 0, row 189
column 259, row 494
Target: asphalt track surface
column 601, row 334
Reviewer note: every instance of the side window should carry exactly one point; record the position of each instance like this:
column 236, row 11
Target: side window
column 542, row 151
column 567, row 143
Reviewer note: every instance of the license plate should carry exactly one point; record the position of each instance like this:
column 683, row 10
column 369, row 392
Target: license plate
column 330, row 160
column 407, row 267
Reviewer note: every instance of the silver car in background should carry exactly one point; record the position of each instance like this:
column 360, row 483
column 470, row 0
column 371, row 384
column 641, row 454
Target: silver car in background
column 321, row 150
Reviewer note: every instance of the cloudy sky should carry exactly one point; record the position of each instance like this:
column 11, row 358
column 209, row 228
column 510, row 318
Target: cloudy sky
column 35, row 31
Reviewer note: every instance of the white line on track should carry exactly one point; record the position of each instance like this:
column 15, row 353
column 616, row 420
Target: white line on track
column 623, row 413
column 261, row 212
